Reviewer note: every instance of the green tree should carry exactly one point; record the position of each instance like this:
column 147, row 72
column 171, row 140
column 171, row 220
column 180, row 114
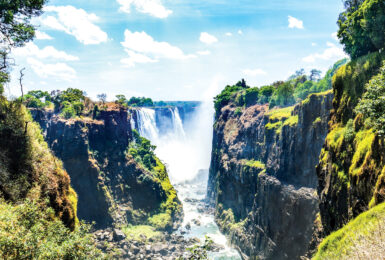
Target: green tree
column 362, row 27
column 16, row 29
column 284, row 95
column 315, row 75
column 372, row 105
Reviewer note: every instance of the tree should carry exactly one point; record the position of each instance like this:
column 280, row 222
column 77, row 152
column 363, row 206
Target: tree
column 15, row 29
column 102, row 97
column 299, row 73
column 315, row 75
column 284, row 95
column 362, row 27
column 242, row 84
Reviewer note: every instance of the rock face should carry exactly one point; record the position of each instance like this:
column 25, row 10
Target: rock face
column 262, row 176
column 351, row 171
column 112, row 187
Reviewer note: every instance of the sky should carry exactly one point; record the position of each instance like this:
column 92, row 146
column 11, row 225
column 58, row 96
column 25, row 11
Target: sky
column 174, row 49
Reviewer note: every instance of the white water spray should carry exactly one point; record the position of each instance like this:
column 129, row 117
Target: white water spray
column 185, row 148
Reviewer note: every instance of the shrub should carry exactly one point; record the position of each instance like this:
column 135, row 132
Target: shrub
column 30, row 232
column 251, row 96
column 68, row 111
column 238, row 111
column 372, row 105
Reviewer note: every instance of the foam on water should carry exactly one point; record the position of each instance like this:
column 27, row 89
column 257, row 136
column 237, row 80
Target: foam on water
column 185, row 148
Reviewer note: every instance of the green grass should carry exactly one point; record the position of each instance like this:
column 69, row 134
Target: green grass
column 281, row 117
column 280, row 113
column 138, row 233
column 254, row 164
column 347, row 242
column 363, row 142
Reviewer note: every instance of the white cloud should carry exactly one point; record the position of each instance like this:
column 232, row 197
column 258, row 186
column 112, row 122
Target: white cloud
column 75, row 22
column 229, row 34
column 151, row 7
column 134, row 58
column 295, row 23
column 334, row 36
column 142, row 48
column 58, row 70
column 333, row 52
column 203, row 52
column 42, row 36
column 240, row 32
column 31, row 50
column 207, row 38
column 254, row 72
column 313, row 44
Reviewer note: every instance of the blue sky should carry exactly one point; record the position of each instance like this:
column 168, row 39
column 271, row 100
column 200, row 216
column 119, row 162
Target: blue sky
column 174, row 49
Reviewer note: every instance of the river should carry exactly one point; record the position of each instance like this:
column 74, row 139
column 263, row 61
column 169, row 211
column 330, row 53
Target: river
column 185, row 148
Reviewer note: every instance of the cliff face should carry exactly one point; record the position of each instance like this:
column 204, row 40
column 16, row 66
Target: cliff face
column 351, row 171
column 113, row 188
column 28, row 169
column 262, row 175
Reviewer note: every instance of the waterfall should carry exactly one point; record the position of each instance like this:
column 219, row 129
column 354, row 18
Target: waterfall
column 147, row 124
column 183, row 146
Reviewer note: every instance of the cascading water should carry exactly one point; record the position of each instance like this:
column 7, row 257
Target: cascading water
column 185, row 148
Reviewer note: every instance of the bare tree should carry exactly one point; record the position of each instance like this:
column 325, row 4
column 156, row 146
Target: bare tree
column 21, row 82
column 102, row 97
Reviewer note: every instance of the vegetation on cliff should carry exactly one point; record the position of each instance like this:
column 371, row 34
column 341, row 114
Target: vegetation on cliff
column 28, row 231
column 281, row 93
column 143, row 152
column 361, row 238
column 352, row 163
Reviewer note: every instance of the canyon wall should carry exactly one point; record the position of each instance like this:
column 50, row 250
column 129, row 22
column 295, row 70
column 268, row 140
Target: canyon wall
column 351, row 171
column 112, row 186
column 262, row 177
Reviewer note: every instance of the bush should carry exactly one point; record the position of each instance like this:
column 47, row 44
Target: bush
column 251, row 96
column 68, row 111
column 142, row 151
column 78, row 107
column 227, row 94
column 372, row 104
column 238, row 111
column 30, row 232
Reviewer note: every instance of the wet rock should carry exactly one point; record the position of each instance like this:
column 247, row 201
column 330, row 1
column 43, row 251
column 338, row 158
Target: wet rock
column 197, row 222
column 188, row 226
column 118, row 235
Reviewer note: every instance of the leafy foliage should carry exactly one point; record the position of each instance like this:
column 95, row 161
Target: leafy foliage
column 372, row 104
column 280, row 93
column 143, row 151
column 27, row 167
column 225, row 96
column 362, row 27
column 15, row 30
column 30, row 232
column 140, row 102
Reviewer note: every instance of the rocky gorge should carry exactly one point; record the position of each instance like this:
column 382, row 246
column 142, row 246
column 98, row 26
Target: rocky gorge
column 262, row 175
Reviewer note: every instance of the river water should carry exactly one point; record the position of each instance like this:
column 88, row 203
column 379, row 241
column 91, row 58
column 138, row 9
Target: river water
column 185, row 148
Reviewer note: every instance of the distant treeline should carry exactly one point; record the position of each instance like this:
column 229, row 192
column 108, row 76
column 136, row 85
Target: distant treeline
column 280, row 93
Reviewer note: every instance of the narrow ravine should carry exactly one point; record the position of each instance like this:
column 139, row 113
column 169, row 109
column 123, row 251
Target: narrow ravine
column 185, row 147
